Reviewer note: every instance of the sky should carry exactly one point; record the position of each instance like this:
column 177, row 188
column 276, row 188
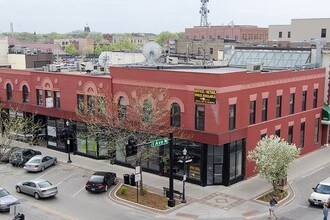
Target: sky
column 149, row 16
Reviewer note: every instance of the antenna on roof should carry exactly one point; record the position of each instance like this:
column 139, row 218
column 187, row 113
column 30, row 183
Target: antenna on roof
column 204, row 11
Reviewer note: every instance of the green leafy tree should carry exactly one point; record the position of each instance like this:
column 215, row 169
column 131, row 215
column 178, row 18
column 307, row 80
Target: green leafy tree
column 162, row 38
column 273, row 157
column 71, row 49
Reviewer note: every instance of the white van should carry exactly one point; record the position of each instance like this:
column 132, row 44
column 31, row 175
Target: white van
column 321, row 193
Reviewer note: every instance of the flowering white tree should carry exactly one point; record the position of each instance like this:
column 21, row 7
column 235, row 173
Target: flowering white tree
column 273, row 157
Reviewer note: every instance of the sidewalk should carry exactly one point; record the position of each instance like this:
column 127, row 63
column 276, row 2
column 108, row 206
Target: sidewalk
column 211, row 202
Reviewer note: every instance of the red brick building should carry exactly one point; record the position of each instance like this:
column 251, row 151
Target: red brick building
column 240, row 33
column 228, row 110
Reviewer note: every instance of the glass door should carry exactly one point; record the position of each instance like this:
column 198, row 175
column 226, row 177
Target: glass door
column 217, row 174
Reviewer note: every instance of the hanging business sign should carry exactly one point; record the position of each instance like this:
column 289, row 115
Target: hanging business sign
column 205, row 96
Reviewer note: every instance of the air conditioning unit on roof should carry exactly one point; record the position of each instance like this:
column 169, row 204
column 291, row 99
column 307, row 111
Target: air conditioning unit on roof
column 254, row 67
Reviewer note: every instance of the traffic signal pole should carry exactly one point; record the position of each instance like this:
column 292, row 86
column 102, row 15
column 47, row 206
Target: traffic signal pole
column 171, row 201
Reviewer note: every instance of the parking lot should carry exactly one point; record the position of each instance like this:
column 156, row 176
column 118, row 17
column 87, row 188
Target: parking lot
column 70, row 201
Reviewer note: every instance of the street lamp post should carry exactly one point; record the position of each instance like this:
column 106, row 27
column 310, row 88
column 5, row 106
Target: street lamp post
column 184, row 152
column 68, row 141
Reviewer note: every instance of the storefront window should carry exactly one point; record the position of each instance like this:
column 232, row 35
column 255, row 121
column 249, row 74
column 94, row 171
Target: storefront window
column 55, row 136
column 236, row 157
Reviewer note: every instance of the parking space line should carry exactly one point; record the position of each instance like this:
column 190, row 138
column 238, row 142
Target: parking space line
column 5, row 166
column 78, row 192
column 46, row 173
column 65, row 179
column 20, row 172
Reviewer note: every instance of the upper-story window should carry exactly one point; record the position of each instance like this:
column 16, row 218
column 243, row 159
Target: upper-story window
column 90, row 104
column 316, row 130
column 175, row 115
column 315, row 98
column 304, row 101
column 57, row 102
column 323, row 33
column 211, row 50
column 25, row 94
column 291, row 103
column 199, row 117
column 252, row 112
column 9, row 91
column 302, row 135
column 289, row 34
column 290, row 134
column 122, row 108
column 101, row 105
column 39, row 97
column 80, row 103
column 278, row 106
column 264, row 109
column 147, row 111
column 280, row 34
column 232, row 117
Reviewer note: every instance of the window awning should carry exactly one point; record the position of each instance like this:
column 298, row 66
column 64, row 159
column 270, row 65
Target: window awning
column 326, row 115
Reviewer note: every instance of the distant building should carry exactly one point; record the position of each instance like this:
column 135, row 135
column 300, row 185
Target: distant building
column 300, row 32
column 244, row 34
column 138, row 39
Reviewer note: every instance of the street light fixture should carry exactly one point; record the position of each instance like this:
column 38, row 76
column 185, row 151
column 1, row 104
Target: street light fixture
column 68, row 141
column 184, row 152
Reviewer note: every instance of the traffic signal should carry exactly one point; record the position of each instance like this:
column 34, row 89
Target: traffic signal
column 131, row 148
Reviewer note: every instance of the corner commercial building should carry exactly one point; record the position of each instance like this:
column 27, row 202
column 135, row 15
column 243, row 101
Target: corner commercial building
column 226, row 110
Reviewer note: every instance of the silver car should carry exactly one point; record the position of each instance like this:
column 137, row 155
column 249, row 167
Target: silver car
column 6, row 200
column 38, row 188
column 39, row 163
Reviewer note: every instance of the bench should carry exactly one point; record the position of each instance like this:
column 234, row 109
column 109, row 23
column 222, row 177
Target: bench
column 166, row 192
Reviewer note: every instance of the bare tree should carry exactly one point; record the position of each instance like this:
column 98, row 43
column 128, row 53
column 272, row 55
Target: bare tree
column 144, row 117
column 16, row 126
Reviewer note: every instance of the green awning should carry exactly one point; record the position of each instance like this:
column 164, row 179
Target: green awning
column 326, row 113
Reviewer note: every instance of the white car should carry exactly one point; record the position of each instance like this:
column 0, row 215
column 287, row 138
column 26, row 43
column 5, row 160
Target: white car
column 40, row 163
column 321, row 193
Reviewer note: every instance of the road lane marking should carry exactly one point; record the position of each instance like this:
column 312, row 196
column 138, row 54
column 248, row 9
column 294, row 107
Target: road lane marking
column 58, row 213
column 78, row 192
column 314, row 171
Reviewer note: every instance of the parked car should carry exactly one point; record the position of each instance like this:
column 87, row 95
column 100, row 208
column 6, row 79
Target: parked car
column 38, row 188
column 6, row 200
column 21, row 156
column 40, row 163
column 7, row 151
column 321, row 193
column 101, row 181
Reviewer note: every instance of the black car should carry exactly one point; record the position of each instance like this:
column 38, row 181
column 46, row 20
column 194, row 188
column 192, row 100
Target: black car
column 6, row 152
column 21, row 156
column 101, row 181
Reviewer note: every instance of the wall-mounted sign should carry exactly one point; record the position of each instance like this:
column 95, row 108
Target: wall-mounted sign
column 205, row 96
column 49, row 102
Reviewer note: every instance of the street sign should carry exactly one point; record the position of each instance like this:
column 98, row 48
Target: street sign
column 137, row 177
column 137, row 170
column 159, row 142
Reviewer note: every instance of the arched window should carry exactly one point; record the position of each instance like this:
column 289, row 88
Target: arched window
column 122, row 108
column 175, row 115
column 147, row 111
column 9, row 91
column 25, row 93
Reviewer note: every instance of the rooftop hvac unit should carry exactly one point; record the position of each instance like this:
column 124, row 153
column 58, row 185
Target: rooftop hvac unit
column 254, row 67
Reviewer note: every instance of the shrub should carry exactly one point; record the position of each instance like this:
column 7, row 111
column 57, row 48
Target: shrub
column 145, row 191
column 122, row 190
